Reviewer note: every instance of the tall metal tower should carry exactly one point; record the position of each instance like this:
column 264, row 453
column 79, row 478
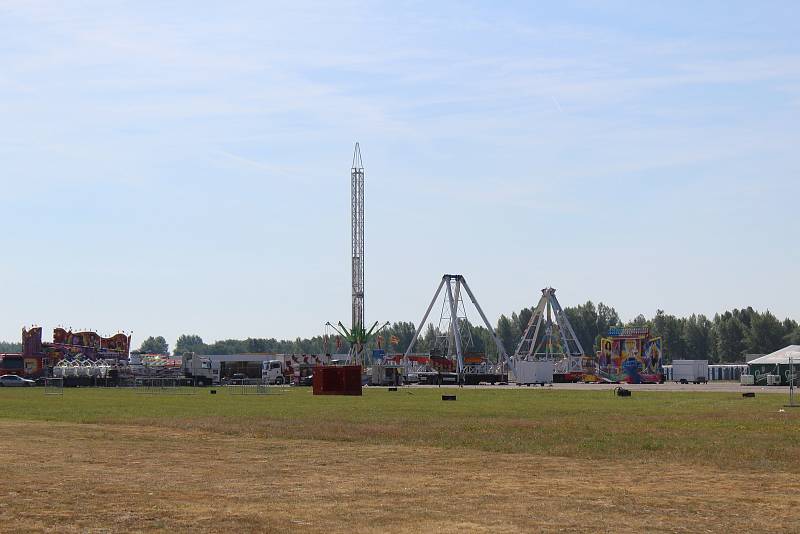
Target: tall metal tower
column 357, row 232
column 358, row 336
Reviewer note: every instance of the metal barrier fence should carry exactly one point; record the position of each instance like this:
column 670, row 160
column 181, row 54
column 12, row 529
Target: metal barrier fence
column 172, row 386
column 53, row 386
column 247, row 387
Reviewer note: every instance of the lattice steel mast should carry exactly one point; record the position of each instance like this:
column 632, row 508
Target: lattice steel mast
column 357, row 232
column 358, row 335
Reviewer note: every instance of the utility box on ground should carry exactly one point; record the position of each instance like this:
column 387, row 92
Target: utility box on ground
column 534, row 372
column 337, row 380
column 747, row 380
column 694, row 371
column 773, row 380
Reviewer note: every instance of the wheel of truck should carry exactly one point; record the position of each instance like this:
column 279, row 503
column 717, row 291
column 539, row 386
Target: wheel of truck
column 279, row 381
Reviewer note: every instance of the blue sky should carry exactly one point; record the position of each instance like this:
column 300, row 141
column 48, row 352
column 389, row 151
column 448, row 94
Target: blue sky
column 183, row 167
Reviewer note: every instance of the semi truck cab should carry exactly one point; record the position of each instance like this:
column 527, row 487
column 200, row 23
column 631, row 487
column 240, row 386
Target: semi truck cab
column 272, row 372
column 197, row 368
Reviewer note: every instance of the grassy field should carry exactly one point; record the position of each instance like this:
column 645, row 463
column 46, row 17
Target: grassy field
column 566, row 452
column 701, row 428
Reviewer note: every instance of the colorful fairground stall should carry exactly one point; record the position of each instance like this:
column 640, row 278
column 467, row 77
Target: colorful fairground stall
column 630, row 355
column 31, row 362
column 37, row 356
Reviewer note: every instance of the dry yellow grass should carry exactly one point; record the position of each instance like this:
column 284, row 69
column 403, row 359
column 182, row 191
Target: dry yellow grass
column 67, row 477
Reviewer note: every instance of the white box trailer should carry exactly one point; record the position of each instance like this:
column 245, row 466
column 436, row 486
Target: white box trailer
column 534, row 372
column 694, row 371
column 386, row 375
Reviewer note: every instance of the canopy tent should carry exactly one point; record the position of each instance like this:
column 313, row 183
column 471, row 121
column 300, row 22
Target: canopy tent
column 779, row 356
column 777, row 363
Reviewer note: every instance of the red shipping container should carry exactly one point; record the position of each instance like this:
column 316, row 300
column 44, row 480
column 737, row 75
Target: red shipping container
column 337, row 380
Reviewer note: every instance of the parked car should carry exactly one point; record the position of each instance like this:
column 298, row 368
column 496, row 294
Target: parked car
column 15, row 381
column 307, row 380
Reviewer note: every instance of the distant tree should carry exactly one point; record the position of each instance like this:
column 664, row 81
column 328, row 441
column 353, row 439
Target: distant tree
column 697, row 336
column 765, row 334
column 639, row 320
column 793, row 337
column 517, row 328
column 403, row 331
column 789, row 325
column 189, row 343
column 524, row 318
column 426, row 343
column 729, row 337
column 606, row 318
column 506, row 333
column 745, row 315
column 584, row 321
column 483, row 339
column 155, row 345
column 7, row 346
column 670, row 329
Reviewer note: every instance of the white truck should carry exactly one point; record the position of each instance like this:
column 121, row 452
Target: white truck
column 197, row 368
column 694, row 371
column 274, row 372
column 533, row 372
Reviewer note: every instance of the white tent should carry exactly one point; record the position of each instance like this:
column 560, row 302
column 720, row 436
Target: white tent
column 779, row 357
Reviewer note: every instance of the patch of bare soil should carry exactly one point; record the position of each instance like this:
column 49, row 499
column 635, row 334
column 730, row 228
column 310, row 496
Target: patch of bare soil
column 93, row 478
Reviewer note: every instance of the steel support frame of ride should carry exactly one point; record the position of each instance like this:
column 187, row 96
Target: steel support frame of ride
column 454, row 283
column 548, row 308
column 445, row 337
